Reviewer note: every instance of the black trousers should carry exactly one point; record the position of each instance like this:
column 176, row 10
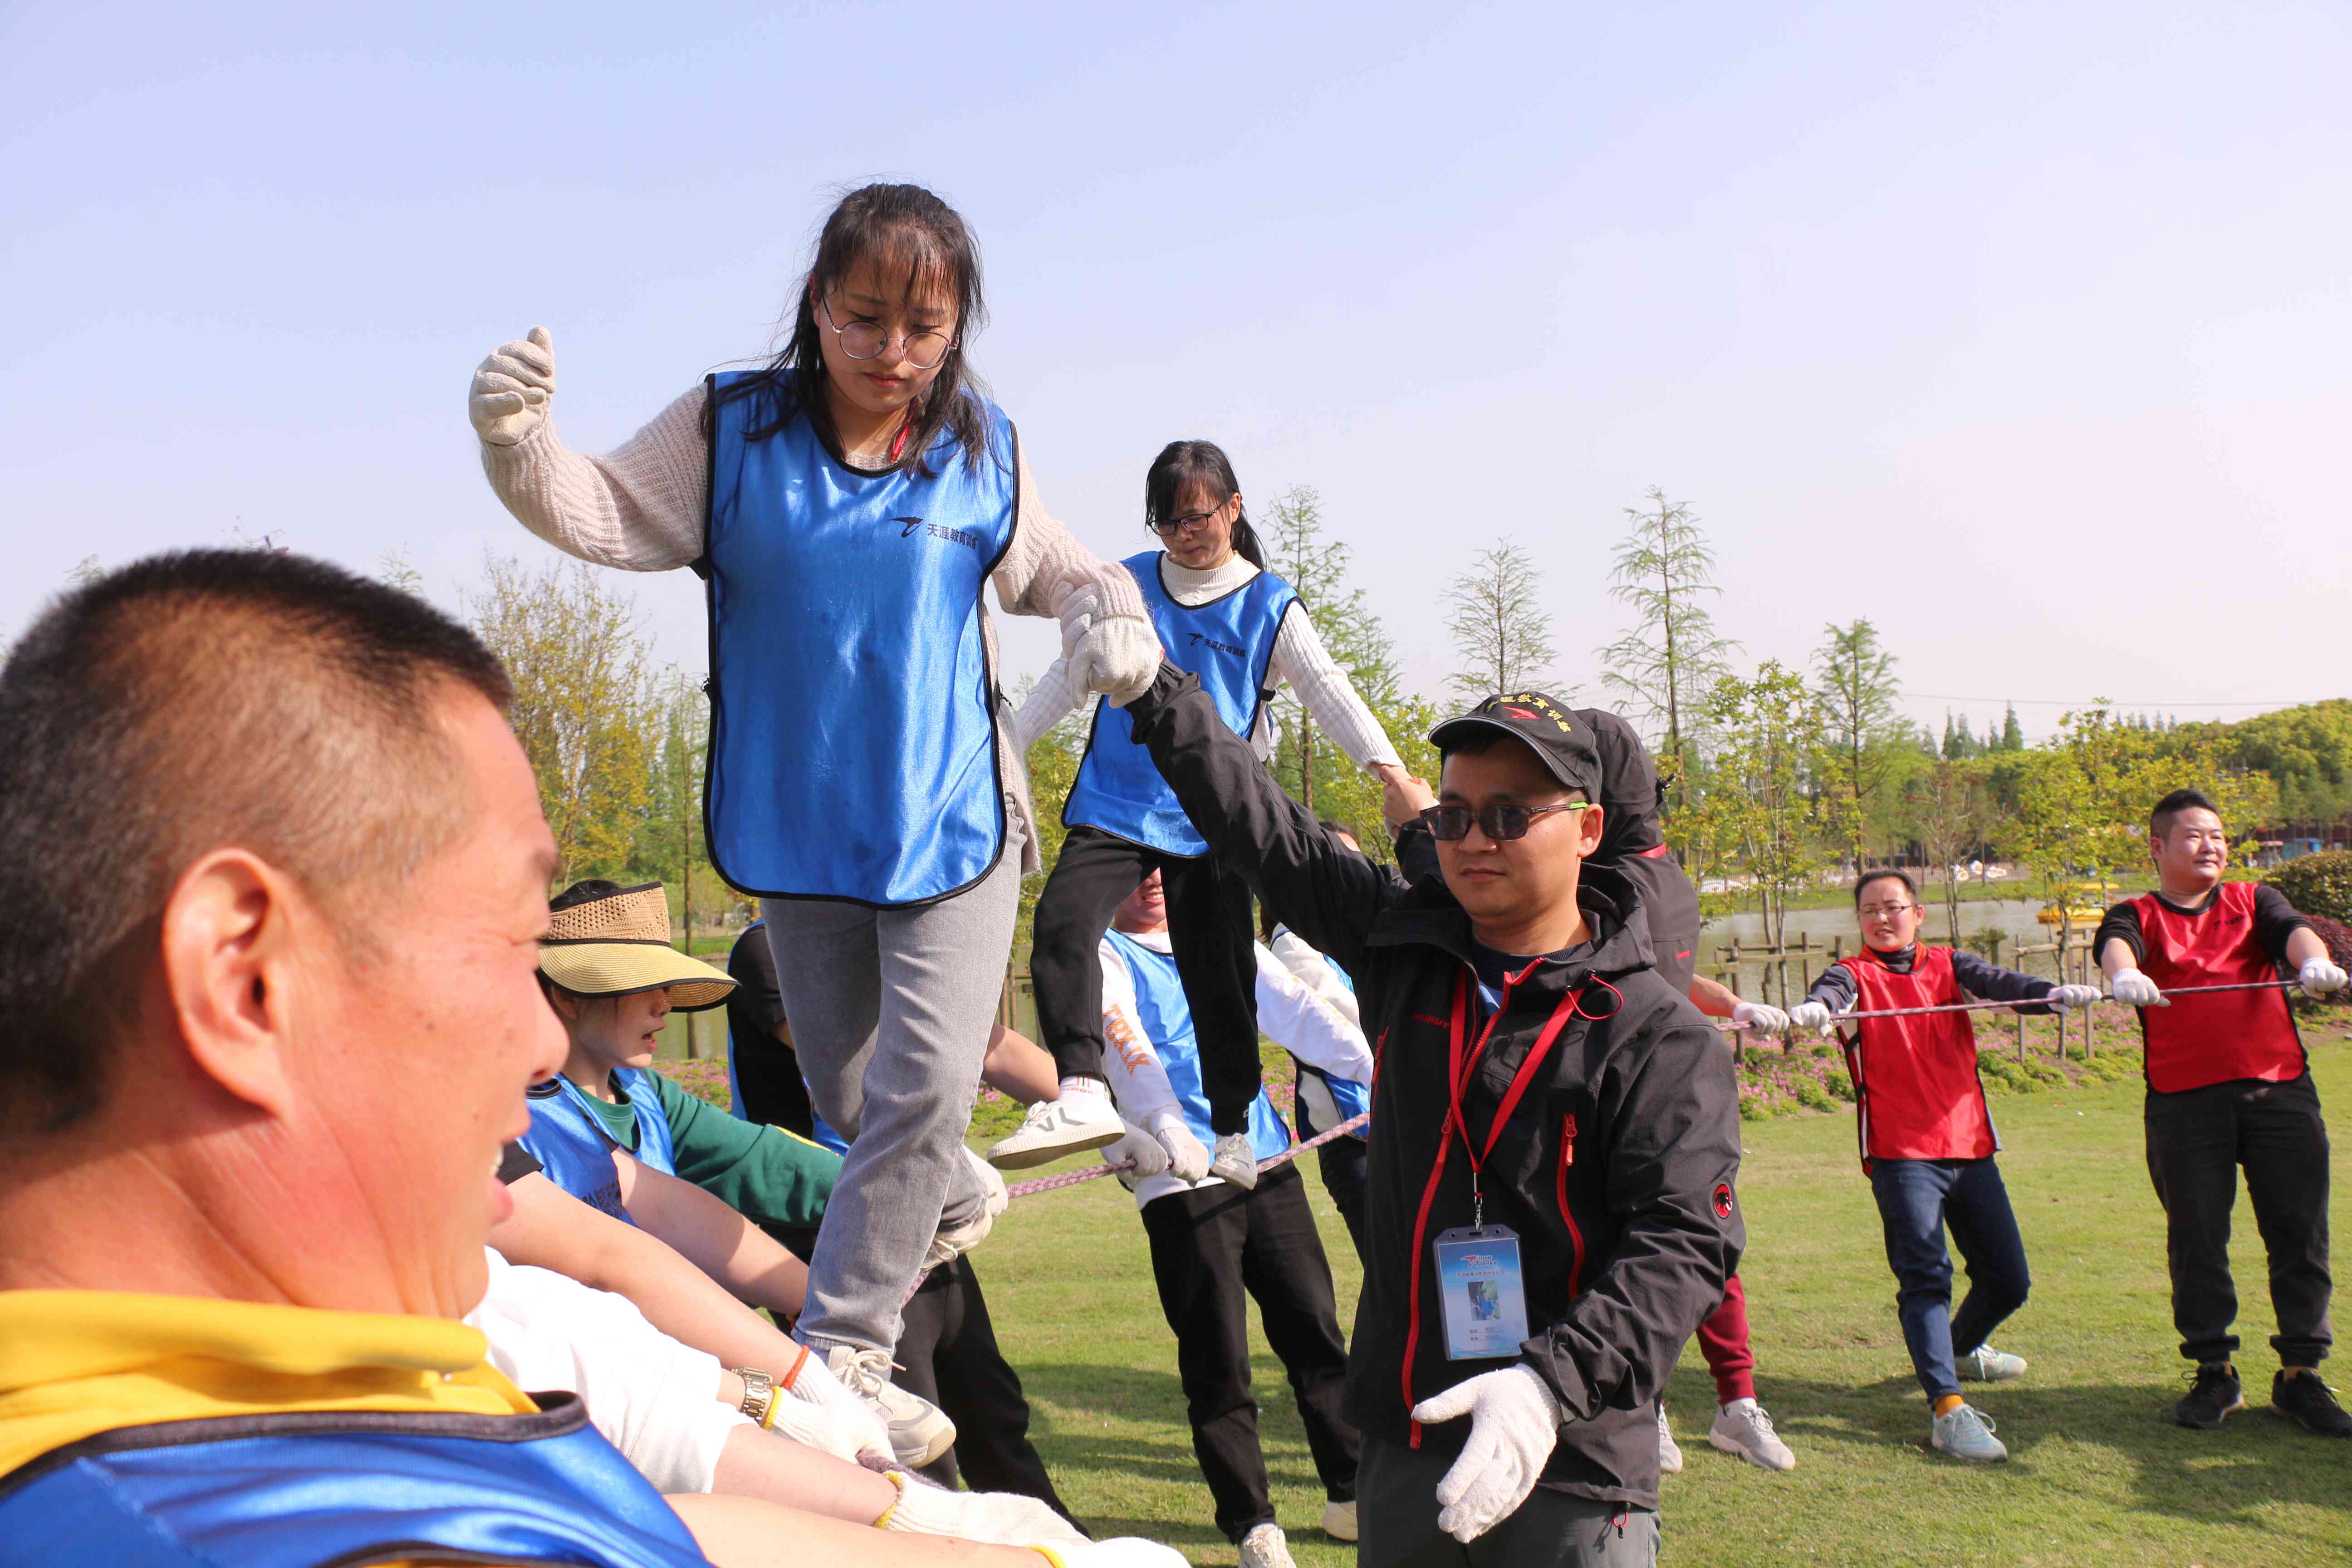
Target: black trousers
column 1344, row 1162
column 2197, row 1139
column 1208, row 1247
column 1397, row 1521
column 949, row 1357
column 1208, row 932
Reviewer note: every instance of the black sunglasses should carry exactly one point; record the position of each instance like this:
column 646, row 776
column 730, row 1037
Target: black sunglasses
column 1499, row 823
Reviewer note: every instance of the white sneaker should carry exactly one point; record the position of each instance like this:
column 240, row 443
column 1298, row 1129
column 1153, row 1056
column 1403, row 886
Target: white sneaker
column 1082, row 1119
column 1339, row 1520
column 1266, row 1547
column 919, row 1431
column 1234, row 1161
column 1966, row 1433
column 1986, row 1364
column 953, row 1241
column 1670, row 1453
column 1745, row 1427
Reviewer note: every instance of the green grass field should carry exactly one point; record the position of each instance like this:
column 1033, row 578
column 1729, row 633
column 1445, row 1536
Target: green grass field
column 2099, row 1473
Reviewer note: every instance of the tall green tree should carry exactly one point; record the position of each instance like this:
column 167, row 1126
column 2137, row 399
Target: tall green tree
column 1663, row 670
column 1769, row 753
column 1949, row 806
column 1855, row 683
column 2012, row 733
column 1502, row 636
column 584, row 708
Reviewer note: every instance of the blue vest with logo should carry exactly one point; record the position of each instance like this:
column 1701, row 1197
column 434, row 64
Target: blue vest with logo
column 1347, row 1098
column 1228, row 643
column 298, row 1489
column 569, row 1138
column 1167, row 1020
column 852, row 710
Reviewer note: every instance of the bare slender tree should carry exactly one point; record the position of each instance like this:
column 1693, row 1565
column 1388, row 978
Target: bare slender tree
column 1500, row 630
column 1662, row 669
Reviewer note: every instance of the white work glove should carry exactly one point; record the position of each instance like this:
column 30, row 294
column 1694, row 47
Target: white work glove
column 2071, row 998
column 2130, row 986
column 1187, row 1155
column 1758, row 1018
column 2319, row 978
column 818, row 1411
column 1514, row 1422
column 1118, row 656
column 1138, row 1149
column 1814, row 1015
column 1127, row 1552
column 512, row 388
column 996, row 1519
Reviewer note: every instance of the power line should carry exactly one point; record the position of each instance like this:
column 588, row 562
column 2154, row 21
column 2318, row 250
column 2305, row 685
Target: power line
column 2117, row 702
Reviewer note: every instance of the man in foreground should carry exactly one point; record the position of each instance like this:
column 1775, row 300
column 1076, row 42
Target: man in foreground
column 2228, row 1085
column 1555, row 1135
column 270, row 858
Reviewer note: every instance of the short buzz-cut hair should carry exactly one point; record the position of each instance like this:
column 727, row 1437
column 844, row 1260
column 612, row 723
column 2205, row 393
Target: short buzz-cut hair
column 187, row 702
column 1884, row 874
column 2162, row 815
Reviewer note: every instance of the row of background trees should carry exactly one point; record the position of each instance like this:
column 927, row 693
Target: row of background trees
column 1777, row 777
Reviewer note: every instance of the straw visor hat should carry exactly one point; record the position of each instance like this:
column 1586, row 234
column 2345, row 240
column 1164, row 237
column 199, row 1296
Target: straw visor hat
column 619, row 943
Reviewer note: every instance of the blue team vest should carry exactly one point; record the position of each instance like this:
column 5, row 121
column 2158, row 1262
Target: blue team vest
column 852, row 711
column 567, row 1138
column 302, row 1488
column 1228, row 643
column 1167, row 1019
column 1348, row 1098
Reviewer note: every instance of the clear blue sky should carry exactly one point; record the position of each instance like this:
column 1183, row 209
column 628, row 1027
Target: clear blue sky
column 2020, row 330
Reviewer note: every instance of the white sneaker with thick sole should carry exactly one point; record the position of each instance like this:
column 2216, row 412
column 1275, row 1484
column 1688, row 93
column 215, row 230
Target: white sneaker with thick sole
column 1745, row 1427
column 919, row 1431
column 1670, row 1453
column 1339, row 1520
column 953, row 1241
column 1266, row 1547
column 1234, row 1161
column 1986, row 1364
column 1966, row 1433
column 1081, row 1119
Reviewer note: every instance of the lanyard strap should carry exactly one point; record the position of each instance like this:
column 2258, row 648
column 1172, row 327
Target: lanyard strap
column 1458, row 1077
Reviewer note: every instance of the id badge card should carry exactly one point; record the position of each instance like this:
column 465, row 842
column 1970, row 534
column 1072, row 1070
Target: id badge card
column 1479, row 1287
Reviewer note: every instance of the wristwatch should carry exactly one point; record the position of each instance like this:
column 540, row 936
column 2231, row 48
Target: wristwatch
column 759, row 1393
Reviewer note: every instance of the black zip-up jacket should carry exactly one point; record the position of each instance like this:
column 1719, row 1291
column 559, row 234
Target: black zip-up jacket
column 1617, row 1168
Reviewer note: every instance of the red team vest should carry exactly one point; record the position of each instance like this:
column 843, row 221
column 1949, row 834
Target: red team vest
column 1916, row 1094
column 2202, row 1040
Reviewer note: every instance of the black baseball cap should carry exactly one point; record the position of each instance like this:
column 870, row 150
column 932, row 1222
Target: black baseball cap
column 1548, row 727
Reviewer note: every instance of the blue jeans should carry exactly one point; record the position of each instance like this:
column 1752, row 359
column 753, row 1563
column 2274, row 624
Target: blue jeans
column 1917, row 1199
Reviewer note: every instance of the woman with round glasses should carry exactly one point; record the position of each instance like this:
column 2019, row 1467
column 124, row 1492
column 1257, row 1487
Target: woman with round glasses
column 846, row 504
column 1223, row 615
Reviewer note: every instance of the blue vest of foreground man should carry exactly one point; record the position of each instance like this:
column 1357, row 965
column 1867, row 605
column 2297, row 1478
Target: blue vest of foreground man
column 852, row 710
column 297, row 1491
column 1228, row 643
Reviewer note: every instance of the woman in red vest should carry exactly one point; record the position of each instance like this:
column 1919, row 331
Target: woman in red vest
column 2228, row 1085
column 1927, row 1144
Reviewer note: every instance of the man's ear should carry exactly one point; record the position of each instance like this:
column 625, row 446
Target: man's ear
column 1588, row 823
column 227, row 967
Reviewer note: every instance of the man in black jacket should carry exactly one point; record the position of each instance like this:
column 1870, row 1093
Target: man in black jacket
column 1537, row 1080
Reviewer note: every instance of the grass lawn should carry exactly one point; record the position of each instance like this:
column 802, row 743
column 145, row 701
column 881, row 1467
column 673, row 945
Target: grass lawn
column 2099, row 1473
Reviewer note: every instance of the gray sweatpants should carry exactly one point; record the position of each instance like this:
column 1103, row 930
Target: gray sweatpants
column 890, row 1011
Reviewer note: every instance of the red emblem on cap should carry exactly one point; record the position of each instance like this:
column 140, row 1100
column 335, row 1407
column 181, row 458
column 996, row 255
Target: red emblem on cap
column 1723, row 1200
column 1527, row 713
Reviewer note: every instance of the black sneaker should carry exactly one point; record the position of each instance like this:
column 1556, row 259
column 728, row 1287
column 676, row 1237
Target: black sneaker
column 2213, row 1394
column 2309, row 1404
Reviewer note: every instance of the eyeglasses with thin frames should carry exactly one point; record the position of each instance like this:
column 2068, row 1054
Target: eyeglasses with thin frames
column 865, row 341
column 1192, row 521
column 1880, row 911
column 1500, row 822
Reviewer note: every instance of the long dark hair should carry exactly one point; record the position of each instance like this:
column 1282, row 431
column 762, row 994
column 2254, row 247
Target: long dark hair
column 905, row 231
column 1202, row 463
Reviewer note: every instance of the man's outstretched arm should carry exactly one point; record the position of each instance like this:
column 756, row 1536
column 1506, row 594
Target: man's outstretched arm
column 1327, row 894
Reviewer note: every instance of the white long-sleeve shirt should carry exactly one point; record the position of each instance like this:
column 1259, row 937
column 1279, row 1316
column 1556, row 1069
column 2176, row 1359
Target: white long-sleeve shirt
column 1290, row 1013
column 641, row 507
column 1299, row 658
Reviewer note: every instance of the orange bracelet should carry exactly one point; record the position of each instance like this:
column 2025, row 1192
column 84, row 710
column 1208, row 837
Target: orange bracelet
column 793, row 1376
